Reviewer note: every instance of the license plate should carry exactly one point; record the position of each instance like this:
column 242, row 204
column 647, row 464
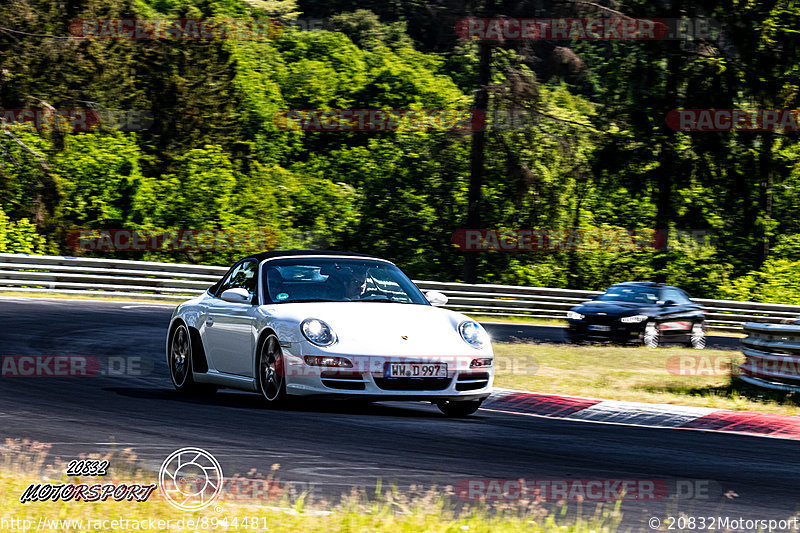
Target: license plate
column 595, row 327
column 415, row 370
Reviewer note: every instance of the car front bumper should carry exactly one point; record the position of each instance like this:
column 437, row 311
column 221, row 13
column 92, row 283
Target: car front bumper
column 606, row 330
column 367, row 378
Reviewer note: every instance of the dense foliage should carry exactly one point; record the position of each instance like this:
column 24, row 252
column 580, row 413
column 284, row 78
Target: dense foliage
column 596, row 154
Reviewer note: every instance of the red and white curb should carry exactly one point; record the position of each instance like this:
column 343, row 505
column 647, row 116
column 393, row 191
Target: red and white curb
column 643, row 414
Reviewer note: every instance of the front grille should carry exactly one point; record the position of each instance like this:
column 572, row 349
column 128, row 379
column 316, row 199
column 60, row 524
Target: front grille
column 413, row 384
column 601, row 320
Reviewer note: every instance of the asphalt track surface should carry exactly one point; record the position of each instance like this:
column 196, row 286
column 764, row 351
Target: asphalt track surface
column 333, row 446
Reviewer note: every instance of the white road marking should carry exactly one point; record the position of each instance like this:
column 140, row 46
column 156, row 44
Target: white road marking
column 634, row 413
column 157, row 306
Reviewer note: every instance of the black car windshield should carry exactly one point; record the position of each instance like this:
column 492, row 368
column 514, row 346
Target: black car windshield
column 642, row 295
column 325, row 279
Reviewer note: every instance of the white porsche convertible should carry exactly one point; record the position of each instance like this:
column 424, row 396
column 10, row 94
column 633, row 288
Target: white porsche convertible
column 289, row 324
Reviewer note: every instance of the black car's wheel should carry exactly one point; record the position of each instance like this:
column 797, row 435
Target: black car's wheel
column 455, row 409
column 698, row 336
column 651, row 337
column 180, row 363
column 271, row 372
column 575, row 339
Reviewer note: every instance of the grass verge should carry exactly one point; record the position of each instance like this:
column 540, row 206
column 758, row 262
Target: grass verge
column 518, row 320
column 383, row 510
column 678, row 376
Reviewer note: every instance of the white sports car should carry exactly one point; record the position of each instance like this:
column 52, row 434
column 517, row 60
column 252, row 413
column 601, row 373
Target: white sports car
column 299, row 323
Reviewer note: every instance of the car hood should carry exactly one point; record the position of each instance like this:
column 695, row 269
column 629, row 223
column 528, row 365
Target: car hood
column 379, row 328
column 613, row 308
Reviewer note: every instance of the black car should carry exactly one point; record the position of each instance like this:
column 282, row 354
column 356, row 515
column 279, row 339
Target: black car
column 649, row 313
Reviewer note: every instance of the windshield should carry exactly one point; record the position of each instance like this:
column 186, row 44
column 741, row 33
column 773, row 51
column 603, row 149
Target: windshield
column 642, row 295
column 316, row 279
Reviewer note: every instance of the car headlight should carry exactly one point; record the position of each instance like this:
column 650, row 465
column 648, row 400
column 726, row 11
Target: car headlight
column 572, row 315
column 634, row 319
column 317, row 332
column 473, row 334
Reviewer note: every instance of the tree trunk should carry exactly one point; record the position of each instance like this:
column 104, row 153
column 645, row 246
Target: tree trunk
column 476, row 166
column 765, row 181
column 665, row 173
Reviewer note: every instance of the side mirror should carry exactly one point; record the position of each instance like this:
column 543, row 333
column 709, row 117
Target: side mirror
column 236, row 296
column 667, row 303
column 436, row 298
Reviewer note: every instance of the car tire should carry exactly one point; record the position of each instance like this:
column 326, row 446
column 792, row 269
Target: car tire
column 456, row 409
column 698, row 336
column 180, row 363
column 271, row 375
column 651, row 337
column 575, row 339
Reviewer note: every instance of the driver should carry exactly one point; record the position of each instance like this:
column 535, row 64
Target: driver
column 351, row 282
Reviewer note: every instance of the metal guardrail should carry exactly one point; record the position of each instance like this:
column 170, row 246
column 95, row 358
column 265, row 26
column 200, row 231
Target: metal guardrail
column 539, row 302
column 173, row 282
column 772, row 356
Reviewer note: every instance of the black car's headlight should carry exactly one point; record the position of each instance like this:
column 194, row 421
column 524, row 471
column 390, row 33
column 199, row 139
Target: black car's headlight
column 473, row 334
column 572, row 315
column 317, row 332
column 633, row 319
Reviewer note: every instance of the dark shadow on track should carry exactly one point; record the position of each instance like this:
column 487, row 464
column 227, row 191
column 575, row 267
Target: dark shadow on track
column 243, row 400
